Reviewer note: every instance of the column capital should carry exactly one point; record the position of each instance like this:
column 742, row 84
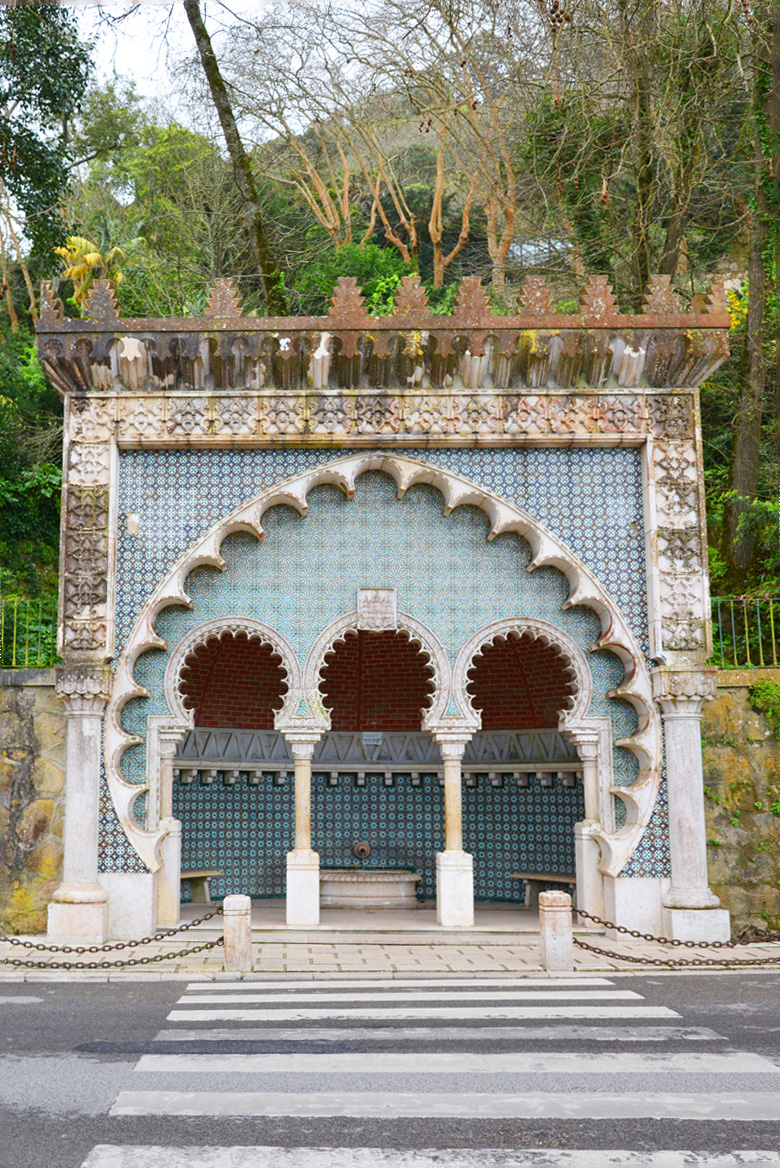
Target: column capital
column 84, row 688
column 452, row 743
column 301, row 742
column 682, row 692
column 583, row 736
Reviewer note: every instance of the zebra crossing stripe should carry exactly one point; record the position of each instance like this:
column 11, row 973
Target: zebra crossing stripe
column 461, row 1062
column 555, row 1033
column 417, row 996
column 520, row 982
column 738, row 1105
column 117, row 1156
column 279, row 1014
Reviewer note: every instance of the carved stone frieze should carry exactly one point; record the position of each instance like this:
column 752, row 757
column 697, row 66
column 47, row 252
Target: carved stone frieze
column 475, row 415
column 330, row 415
column 377, row 415
column 525, row 414
column 86, row 507
column 89, row 636
column 426, row 415
column 141, row 419
column 92, row 419
column 677, row 503
column 572, row 415
column 671, row 415
column 189, row 416
column 684, row 683
column 675, row 462
column 235, row 415
column 681, row 635
column 620, row 415
column 84, row 688
column 88, row 465
column 85, row 596
column 679, row 551
column 282, row 417
column 682, row 597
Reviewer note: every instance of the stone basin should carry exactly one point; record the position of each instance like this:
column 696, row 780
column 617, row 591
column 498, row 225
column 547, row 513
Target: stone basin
column 368, row 888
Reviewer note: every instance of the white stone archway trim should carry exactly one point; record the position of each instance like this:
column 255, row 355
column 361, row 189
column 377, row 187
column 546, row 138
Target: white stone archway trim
column 419, row 634
column 547, row 551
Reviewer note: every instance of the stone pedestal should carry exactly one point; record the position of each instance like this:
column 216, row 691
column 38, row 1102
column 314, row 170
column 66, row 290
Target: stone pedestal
column 555, row 929
column 79, row 906
column 454, row 889
column 691, row 910
column 237, row 917
column 303, row 888
column 169, row 875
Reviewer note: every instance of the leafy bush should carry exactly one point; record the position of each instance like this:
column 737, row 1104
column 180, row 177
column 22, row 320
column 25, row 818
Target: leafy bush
column 765, row 697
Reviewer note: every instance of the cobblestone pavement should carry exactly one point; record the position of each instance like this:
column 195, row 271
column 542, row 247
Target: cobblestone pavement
column 349, row 954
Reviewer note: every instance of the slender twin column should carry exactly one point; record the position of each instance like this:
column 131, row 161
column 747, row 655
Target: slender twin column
column 454, row 867
column 169, row 876
column 590, row 882
column 691, row 909
column 79, row 906
column 303, row 865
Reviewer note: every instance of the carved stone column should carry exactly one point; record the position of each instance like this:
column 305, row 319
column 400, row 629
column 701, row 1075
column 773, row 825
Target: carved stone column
column 79, row 907
column 303, row 865
column 454, row 867
column 167, row 736
column 590, row 882
column 691, row 910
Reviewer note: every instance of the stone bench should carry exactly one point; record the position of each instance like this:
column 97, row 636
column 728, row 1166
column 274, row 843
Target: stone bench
column 199, row 879
column 533, row 884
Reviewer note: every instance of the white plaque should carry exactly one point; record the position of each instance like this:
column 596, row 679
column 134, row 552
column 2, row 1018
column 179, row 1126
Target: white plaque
column 377, row 611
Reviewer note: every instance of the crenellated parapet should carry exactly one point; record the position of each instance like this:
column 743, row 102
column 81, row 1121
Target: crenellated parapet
column 410, row 352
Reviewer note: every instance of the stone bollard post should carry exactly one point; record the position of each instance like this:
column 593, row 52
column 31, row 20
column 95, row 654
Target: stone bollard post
column 237, row 915
column 556, row 932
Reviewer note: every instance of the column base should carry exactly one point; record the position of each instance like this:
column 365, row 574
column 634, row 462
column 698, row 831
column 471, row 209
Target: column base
column 303, row 888
column 454, row 890
column 697, row 924
column 590, row 882
column 169, row 876
column 78, row 912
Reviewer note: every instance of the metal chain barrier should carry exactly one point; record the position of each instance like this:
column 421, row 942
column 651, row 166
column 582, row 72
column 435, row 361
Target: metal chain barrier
column 110, row 948
column 698, row 962
column 117, row 946
column 122, row 964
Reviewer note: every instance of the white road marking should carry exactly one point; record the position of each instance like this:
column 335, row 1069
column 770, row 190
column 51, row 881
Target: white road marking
column 348, row 1034
column 736, row 1105
column 18, row 999
column 221, row 987
column 464, row 1012
column 487, row 996
column 460, row 1062
column 114, row 1156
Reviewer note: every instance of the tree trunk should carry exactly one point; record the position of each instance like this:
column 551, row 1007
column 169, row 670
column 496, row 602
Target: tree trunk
column 273, row 280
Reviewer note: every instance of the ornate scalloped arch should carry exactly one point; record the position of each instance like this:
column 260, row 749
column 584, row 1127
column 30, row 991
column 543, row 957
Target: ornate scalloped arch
column 420, row 635
column 547, row 551
column 254, row 629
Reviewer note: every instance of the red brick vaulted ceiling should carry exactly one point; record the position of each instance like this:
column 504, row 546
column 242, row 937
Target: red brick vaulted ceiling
column 234, row 681
column 376, row 681
column 519, row 684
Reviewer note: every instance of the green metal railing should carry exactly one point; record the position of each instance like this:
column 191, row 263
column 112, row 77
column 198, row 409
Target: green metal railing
column 745, row 632
column 28, row 633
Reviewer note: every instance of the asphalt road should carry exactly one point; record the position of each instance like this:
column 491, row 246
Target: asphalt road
column 499, row 1073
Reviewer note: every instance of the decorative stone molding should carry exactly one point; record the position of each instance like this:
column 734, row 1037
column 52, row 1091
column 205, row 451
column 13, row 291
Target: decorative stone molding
column 377, row 610
column 450, row 709
column 83, row 688
column 670, row 685
column 214, row 629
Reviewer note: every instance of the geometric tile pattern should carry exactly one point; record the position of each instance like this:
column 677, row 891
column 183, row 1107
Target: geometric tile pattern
column 245, row 832
column 445, row 573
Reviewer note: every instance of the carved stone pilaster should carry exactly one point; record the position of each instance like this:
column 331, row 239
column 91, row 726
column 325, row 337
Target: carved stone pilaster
column 84, row 688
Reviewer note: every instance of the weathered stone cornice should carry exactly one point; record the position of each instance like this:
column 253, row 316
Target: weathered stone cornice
column 661, row 347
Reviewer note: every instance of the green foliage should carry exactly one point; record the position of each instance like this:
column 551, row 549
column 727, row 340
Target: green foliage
column 765, row 697
column 44, row 70
column 30, row 475
column 378, row 272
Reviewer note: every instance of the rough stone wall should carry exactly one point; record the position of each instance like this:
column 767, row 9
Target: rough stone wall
column 32, row 734
column 742, row 800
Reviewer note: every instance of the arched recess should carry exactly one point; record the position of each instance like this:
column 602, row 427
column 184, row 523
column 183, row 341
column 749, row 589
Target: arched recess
column 450, row 707
column 419, row 635
column 575, row 723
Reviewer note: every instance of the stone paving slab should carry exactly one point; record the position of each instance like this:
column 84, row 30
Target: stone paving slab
column 345, row 956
